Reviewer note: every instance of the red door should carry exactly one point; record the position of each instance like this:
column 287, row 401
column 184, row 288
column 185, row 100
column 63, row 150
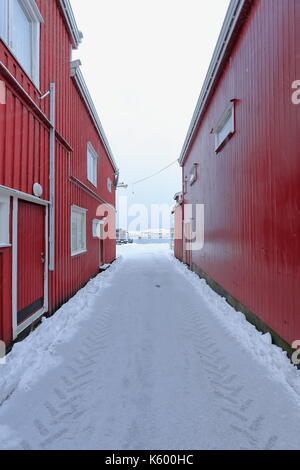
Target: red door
column 101, row 260
column 31, row 259
column 101, row 245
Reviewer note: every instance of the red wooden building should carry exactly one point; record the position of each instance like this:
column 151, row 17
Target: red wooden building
column 178, row 219
column 57, row 171
column 241, row 159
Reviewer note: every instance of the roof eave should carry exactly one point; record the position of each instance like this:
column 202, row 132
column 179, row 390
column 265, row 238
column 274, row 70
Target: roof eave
column 74, row 32
column 231, row 21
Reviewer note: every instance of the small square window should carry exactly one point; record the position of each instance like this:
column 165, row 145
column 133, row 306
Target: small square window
column 92, row 159
column 78, row 230
column 225, row 128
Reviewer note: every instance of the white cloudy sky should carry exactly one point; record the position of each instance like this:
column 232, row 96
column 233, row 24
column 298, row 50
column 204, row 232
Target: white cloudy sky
column 145, row 62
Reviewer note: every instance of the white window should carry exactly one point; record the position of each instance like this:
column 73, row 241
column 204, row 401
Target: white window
column 3, row 20
column 225, row 127
column 20, row 28
column 78, row 230
column 4, row 220
column 109, row 185
column 185, row 186
column 96, row 228
column 92, row 160
column 193, row 174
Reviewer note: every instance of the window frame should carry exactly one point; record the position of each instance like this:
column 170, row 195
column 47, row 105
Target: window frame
column 81, row 211
column 96, row 223
column 4, row 221
column 109, row 185
column 228, row 117
column 34, row 16
column 92, row 152
column 193, row 175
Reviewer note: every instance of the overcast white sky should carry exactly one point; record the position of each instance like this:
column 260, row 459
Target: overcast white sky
column 144, row 62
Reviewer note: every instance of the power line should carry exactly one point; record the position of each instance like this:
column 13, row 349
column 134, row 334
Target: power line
column 154, row 174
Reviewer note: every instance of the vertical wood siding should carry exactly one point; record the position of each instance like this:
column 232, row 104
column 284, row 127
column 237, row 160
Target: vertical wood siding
column 24, row 146
column 24, row 159
column 251, row 188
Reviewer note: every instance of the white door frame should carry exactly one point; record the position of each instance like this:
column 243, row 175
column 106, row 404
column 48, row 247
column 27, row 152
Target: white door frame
column 16, row 195
column 101, row 239
column 186, row 223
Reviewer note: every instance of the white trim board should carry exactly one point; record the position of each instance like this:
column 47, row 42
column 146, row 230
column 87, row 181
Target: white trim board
column 67, row 10
column 32, row 10
column 17, row 329
column 91, row 152
column 26, row 196
column 15, row 268
column 81, row 211
column 4, row 219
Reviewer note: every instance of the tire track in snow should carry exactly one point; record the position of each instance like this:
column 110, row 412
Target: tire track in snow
column 68, row 398
column 220, row 376
column 153, row 373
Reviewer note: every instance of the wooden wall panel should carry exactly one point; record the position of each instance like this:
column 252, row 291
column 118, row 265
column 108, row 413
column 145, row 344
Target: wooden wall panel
column 251, row 188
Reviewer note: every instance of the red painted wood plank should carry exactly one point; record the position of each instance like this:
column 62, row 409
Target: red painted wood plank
column 250, row 189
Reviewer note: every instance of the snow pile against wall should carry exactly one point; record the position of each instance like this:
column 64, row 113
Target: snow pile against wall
column 275, row 360
column 35, row 356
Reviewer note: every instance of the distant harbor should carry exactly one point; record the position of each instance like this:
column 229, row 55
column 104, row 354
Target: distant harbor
column 161, row 236
column 149, row 241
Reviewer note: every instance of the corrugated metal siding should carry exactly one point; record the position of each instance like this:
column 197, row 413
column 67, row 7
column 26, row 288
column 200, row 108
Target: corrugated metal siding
column 251, row 188
column 24, row 158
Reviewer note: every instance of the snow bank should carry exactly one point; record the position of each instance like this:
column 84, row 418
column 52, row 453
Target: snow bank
column 35, row 355
column 274, row 359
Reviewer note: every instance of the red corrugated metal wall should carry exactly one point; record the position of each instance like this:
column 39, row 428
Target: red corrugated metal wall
column 251, row 188
column 24, row 158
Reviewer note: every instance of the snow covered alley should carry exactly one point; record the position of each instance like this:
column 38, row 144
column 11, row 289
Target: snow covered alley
column 147, row 356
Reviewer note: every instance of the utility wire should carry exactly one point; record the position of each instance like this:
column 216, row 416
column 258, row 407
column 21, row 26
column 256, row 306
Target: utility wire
column 154, row 174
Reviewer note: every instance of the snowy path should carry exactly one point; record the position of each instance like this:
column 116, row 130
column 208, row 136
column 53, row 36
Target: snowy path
column 149, row 367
